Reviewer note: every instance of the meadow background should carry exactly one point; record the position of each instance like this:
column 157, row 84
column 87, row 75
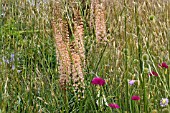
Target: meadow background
column 138, row 41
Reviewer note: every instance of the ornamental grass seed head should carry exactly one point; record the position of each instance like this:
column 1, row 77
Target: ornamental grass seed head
column 98, row 81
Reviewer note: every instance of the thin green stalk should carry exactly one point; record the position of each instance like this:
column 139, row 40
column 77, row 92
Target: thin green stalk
column 125, row 35
column 138, row 36
column 168, row 37
column 144, row 93
column 101, row 56
column 128, row 107
column 157, row 72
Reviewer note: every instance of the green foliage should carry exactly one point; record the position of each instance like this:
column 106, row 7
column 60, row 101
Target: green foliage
column 134, row 30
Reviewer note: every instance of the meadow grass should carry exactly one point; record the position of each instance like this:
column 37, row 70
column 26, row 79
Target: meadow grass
column 138, row 35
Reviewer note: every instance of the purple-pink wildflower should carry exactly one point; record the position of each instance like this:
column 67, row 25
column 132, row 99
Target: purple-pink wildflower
column 115, row 106
column 131, row 82
column 98, row 81
column 135, row 97
column 164, row 102
column 163, row 65
column 13, row 67
column 153, row 73
column 12, row 58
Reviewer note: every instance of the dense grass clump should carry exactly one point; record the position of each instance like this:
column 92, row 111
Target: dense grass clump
column 128, row 73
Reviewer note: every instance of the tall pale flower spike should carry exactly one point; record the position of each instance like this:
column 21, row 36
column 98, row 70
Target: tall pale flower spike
column 92, row 10
column 79, row 34
column 62, row 52
column 70, row 54
column 77, row 54
column 100, row 25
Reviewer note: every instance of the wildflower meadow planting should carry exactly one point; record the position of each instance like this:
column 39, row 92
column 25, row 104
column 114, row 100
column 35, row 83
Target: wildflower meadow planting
column 84, row 56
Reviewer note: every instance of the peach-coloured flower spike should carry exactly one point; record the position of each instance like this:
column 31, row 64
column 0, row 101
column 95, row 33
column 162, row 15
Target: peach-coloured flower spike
column 62, row 52
column 78, row 35
column 97, row 18
column 78, row 53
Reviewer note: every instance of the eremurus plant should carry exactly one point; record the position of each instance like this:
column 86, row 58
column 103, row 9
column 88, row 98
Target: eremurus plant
column 70, row 53
column 98, row 19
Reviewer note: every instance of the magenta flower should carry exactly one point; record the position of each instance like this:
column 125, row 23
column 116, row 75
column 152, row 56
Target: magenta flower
column 115, row 106
column 131, row 82
column 153, row 73
column 163, row 65
column 98, row 81
column 135, row 97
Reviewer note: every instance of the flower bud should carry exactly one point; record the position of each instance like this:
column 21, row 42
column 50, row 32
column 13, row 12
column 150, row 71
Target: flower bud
column 145, row 57
column 154, row 111
column 165, row 110
column 145, row 70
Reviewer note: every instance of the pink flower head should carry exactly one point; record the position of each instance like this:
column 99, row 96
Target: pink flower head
column 135, row 97
column 153, row 73
column 98, row 81
column 163, row 65
column 131, row 82
column 115, row 106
